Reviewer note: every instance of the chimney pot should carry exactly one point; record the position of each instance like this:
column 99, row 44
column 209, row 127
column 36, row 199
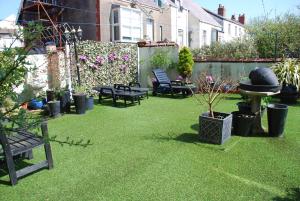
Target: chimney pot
column 221, row 10
column 242, row 19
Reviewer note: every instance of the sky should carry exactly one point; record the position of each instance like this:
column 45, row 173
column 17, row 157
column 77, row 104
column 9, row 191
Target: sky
column 251, row 8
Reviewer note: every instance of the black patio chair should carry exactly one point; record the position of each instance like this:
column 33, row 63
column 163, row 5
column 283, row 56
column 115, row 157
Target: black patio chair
column 22, row 142
column 164, row 85
column 135, row 86
column 118, row 92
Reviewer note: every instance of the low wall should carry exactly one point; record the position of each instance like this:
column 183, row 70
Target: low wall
column 227, row 70
column 145, row 67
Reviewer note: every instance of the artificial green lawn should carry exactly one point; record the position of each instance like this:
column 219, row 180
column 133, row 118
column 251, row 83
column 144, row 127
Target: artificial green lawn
column 151, row 152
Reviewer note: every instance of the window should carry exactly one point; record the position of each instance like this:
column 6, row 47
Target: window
column 204, row 38
column 149, row 27
column 240, row 32
column 126, row 24
column 235, row 30
column 229, row 29
column 115, row 26
column 180, row 37
column 160, row 33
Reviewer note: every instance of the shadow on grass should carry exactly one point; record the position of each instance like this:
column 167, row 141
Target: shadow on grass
column 119, row 104
column 169, row 96
column 188, row 138
column 20, row 164
column 71, row 142
column 195, row 127
column 292, row 195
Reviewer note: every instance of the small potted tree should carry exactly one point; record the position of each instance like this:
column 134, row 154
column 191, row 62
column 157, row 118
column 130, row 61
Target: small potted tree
column 214, row 127
column 185, row 63
column 80, row 99
column 288, row 74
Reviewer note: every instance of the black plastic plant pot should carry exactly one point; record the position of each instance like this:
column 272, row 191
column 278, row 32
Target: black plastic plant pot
column 65, row 102
column 289, row 94
column 50, row 95
column 277, row 114
column 244, row 107
column 80, row 105
column 215, row 130
column 242, row 123
column 89, row 103
column 54, row 108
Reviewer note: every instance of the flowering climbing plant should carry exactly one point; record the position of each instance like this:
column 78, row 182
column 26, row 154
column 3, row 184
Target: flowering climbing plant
column 106, row 63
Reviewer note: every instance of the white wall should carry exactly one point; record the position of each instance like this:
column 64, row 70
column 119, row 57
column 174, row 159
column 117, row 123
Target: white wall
column 179, row 20
column 6, row 40
column 230, row 36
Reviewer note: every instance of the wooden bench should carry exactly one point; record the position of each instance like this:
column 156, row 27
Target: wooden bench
column 22, row 142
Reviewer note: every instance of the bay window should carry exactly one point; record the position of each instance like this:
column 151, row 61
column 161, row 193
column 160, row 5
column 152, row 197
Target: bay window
column 126, row 24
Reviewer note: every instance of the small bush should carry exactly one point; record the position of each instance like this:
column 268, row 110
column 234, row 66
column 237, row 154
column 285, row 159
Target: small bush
column 235, row 49
column 185, row 63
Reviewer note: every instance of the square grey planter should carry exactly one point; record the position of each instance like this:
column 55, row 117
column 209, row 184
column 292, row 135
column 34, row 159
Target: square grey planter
column 215, row 130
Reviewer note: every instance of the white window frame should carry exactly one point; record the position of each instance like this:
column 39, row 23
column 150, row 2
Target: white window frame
column 152, row 32
column 229, row 29
column 132, row 26
column 204, row 37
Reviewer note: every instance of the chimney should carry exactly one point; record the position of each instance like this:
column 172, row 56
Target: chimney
column 221, row 10
column 242, row 19
column 233, row 17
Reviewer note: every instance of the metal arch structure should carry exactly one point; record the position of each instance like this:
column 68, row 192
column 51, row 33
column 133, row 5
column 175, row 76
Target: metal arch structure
column 49, row 14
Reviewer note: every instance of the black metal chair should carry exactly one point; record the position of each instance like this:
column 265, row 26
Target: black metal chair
column 22, row 142
column 164, row 85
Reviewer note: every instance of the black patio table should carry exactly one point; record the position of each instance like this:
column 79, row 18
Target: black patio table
column 115, row 94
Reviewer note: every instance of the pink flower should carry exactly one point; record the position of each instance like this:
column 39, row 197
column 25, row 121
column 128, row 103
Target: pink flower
column 123, row 68
column 209, row 79
column 179, row 77
column 83, row 58
column 125, row 57
column 99, row 60
column 112, row 57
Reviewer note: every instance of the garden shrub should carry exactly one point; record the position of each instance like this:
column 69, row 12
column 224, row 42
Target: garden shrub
column 185, row 62
column 161, row 59
column 241, row 48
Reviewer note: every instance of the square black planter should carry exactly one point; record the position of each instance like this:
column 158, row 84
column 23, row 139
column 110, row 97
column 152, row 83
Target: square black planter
column 215, row 130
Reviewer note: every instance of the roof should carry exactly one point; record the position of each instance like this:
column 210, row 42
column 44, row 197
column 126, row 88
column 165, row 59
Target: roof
column 223, row 18
column 200, row 13
column 9, row 24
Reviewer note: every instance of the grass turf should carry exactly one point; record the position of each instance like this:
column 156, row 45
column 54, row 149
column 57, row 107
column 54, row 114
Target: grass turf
column 151, row 152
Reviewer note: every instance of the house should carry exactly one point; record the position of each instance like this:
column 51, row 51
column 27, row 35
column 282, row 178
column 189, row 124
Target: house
column 203, row 28
column 206, row 27
column 232, row 28
column 8, row 31
column 154, row 20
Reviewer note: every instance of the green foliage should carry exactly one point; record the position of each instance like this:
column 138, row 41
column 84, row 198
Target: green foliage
column 288, row 72
column 161, row 59
column 13, row 68
column 241, row 48
column 185, row 62
column 283, row 30
column 106, row 64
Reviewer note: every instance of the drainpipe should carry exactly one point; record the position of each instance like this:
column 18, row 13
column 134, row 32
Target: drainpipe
column 98, row 28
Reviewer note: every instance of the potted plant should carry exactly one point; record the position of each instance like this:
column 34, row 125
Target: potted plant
column 80, row 99
column 288, row 74
column 185, row 63
column 214, row 127
column 64, row 96
column 54, row 108
column 89, row 102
